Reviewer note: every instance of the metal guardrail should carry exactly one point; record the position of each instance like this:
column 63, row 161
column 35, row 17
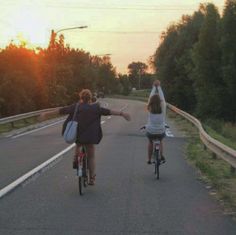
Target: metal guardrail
column 18, row 117
column 226, row 153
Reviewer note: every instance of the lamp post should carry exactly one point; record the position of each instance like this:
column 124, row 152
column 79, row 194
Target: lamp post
column 52, row 46
column 54, row 33
column 78, row 27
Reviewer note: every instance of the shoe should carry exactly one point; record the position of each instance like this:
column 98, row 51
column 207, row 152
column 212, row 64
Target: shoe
column 163, row 160
column 149, row 162
column 75, row 163
column 92, row 180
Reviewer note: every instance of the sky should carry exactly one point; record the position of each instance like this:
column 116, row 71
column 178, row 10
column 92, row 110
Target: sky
column 128, row 30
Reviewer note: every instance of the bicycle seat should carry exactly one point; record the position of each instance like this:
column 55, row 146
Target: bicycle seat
column 156, row 141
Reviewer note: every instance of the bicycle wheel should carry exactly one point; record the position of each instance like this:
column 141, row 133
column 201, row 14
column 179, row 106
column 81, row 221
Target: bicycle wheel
column 80, row 180
column 80, row 186
column 85, row 172
column 157, row 164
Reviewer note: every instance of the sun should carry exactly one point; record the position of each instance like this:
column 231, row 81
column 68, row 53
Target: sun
column 30, row 24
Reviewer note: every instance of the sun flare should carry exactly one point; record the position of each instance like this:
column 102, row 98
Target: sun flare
column 29, row 26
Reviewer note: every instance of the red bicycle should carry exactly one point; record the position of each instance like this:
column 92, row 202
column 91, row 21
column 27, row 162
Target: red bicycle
column 82, row 169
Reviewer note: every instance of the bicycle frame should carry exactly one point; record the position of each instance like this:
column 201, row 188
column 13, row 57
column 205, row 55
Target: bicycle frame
column 81, row 157
column 156, row 152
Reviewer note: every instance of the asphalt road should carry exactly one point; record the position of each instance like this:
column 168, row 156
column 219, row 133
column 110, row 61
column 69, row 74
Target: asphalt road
column 127, row 199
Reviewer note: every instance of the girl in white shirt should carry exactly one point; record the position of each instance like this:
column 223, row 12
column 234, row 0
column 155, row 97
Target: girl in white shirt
column 155, row 127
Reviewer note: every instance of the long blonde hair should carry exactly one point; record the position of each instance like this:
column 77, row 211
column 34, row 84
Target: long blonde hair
column 154, row 104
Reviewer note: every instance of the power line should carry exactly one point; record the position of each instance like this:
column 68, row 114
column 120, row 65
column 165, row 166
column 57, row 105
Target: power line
column 122, row 32
column 145, row 8
column 138, row 7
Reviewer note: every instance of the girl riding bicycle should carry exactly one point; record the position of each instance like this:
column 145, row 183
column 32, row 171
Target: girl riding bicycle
column 155, row 127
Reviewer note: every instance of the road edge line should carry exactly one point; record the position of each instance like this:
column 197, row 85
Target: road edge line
column 31, row 173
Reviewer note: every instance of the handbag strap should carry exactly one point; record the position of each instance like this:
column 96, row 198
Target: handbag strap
column 75, row 112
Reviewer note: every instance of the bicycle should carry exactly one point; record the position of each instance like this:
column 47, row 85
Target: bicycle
column 82, row 169
column 156, row 154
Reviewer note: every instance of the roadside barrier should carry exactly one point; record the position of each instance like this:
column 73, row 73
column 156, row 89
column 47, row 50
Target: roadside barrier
column 226, row 153
column 23, row 116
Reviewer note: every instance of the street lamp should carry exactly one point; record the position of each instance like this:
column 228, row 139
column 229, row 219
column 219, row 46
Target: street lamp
column 78, row 27
column 54, row 33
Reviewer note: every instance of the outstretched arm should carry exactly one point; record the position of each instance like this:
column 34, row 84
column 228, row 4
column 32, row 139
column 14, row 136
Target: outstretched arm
column 126, row 116
column 43, row 116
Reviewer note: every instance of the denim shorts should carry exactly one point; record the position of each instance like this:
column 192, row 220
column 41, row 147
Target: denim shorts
column 152, row 137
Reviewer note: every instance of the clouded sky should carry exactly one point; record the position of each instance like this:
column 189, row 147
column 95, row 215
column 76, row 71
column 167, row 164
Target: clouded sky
column 129, row 30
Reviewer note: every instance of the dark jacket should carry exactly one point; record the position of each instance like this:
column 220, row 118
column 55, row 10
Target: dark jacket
column 89, row 121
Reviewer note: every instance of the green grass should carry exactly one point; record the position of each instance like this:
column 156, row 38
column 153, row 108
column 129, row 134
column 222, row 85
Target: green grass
column 213, row 171
column 226, row 135
column 17, row 124
column 141, row 93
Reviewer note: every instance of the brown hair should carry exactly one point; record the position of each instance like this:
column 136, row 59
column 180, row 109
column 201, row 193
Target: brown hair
column 154, row 104
column 85, row 96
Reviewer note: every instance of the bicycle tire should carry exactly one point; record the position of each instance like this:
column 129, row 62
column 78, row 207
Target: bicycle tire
column 85, row 172
column 157, row 164
column 80, row 179
column 80, row 185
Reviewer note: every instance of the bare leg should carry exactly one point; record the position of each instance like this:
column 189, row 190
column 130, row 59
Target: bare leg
column 161, row 152
column 91, row 159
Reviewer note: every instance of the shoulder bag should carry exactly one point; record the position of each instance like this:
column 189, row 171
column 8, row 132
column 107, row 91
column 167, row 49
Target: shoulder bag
column 70, row 132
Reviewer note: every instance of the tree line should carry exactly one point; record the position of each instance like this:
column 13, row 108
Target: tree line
column 196, row 62
column 36, row 79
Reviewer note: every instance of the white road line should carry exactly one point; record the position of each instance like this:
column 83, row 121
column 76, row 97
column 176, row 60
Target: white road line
column 29, row 132
column 169, row 134
column 37, row 169
column 123, row 108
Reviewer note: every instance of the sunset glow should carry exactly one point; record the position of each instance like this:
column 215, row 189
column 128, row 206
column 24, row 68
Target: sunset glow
column 129, row 31
column 28, row 25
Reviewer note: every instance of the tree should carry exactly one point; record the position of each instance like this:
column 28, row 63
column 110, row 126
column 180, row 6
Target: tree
column 125, row 84
column 207, row 63
column 136, row 72
column 18, row 80
column 228, row 39
column 172, row 60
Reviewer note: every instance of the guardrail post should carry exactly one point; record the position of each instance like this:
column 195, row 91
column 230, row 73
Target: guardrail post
column 214, row 156
column 12, row 125
column 232, row 169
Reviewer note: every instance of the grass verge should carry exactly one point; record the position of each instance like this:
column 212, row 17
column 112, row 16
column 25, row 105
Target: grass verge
column 17, row 124
column 215, row 172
